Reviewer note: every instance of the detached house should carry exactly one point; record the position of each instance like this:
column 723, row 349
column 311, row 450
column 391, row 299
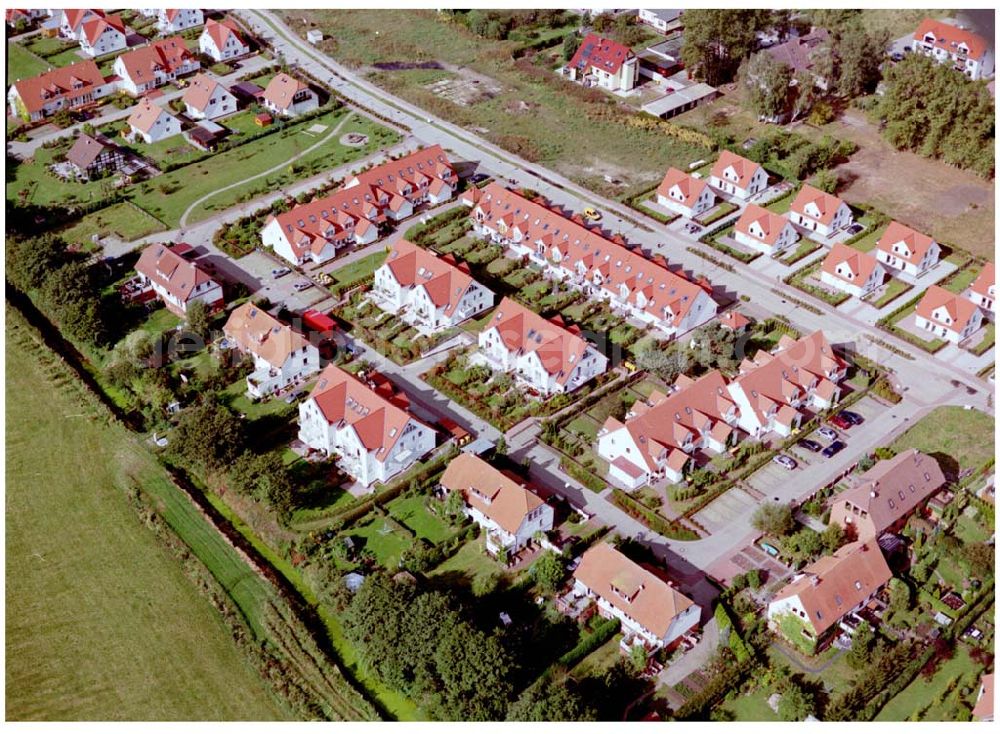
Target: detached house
column 67, row 88
column 883, row 497
column 961, row 49
column 764, row 231
column 372, row 437
column 222, row 40
column 771, row 388
column 545, row 355
column 152, row 123
column 176, row 281
column 809, row 609
column 154, row 65
column 177, row 20
column 946, row 315
column 653, row 613
column 851, row 271
column 71, row 21
column 584, row 258
column 604, row 63
column 281, row 356
column 982, row 292
column 206, row 99
column 92, row 157
column 427, row 291
column 511, row 515
column 660, row 435
column 905, row 250
column 683, row 193
column 103, row 35
column 287, row 96
column 737, row 176
column 819, row 212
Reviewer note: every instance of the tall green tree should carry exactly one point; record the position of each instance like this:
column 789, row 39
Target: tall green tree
column 548, row 571
column 551, row 700
column 717, row 41
column 766, row 85
column 208, row 435
column 860, row 54
column 774, row 518
column 796, row 703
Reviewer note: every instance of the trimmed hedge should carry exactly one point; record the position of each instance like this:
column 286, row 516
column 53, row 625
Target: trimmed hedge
column 603, row 631
column 654, row 521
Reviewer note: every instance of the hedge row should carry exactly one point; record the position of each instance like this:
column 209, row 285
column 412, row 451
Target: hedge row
column 654, row 521
column 697, row 706
column 603, row 631
column 711, row 258
column 581, row 474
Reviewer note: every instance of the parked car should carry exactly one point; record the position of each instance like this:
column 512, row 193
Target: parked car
column 896, row 56
column 834, row 448
column 786, row 461
column 292, row 397
column 592, row 214
column 303, row 285
column 841, row 422
column 856, row 419
column 808, row 443
column 280, row 272
column 828, row 433
column 478, row 178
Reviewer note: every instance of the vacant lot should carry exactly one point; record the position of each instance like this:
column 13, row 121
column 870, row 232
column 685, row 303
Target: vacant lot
column 964, row 435
column 122, row 220
column 941, row 697
column 535, row 115
column 22, row 64
column 101, row 622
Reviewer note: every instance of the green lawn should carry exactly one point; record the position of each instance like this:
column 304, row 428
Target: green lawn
column 962, row 279
column 161, row 320
column 924, row 697
column 895, row 289
column 101, row 622
column 386, row 542
column 752, row 707
column 988, row 340
column 964, row 435
column 599, row 660
column 43, row 188
column 360, row 268
column 236, row 394
column 471, row 561
column 121, row 220
column 21, row 64
column 413, row 513
column 805, row 247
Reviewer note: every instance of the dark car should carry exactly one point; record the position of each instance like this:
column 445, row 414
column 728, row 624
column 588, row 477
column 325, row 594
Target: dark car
column 478, row 178
column 808, row 443
column 855, row 419
column 834, row 448
column 841, row 422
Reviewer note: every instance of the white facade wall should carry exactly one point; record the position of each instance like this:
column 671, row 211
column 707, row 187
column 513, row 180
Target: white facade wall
column 108, row 42
column 810, row 220
column 221, row 104
column 898, row 264
column 786, row 239
column 946, row 332
column 729, row 183
column 231, row 49
column 185, row 18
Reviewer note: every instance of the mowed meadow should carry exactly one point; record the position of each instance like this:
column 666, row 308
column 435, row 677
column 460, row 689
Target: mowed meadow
column 101, row 622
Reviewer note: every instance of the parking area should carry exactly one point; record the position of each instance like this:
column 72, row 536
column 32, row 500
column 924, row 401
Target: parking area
column 722, row 512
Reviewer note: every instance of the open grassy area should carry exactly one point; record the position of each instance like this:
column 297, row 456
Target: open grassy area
column 122, row 220
column 752, row 707
column 413, row 513
column 43, row 187
column 924, row 697
column 360, row 268
column 471, row 561
column 962, row 279
column 964, row 435
column 21, row 64
column 383, row 540
column 101, row 622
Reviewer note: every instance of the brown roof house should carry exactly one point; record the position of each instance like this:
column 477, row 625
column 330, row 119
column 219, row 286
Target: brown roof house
column 429, row 292
column 282, row 357
column 206, row 99
column 177, row 282
column 511, row 514
column 93, row 157
column 652, row 611
column 65, row 88
column 809, row 609
column 287, row 96
column 883, row 497
column 372, row 437
column 152, row 123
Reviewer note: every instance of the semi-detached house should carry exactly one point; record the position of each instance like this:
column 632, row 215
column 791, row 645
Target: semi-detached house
column 964, row 50
column 510, row 514
column 177, row 281
column 904, row 250
column 683, row 193
column 427, row 291
column 585, row 259
column 281, row 356
column 372, row 437
column 154, row 65
column 545, row 355
column 67, row 88
column 764, row 231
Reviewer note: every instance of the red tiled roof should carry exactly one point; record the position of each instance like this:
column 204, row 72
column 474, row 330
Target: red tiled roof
column 605, row 54
column 145, row 114
column 861, row 264
column 93, row 29
column 220, row 31
column 690, row 186
column 167, row 53
column 401, row 177
column 167, row 268
column 281, row 89
column 983, row 710
column 984, row 281
column 69, row 81
column 832, row 586
column 76, row 16
column 826, row 203
column 490, row 491
column 948, row 37
column 916, row 243
column 257, row 332
column 771, row 224
column 200, row 91
column 445, row 282
column 734, row 320
column 959, row 309
column 744, row 168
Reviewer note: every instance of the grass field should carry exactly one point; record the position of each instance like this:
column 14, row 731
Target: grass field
column 101, row 622
column 122, row 220
column 43, row 187
column 360, row 268
column 21, row 64
column 470, row 561
column 964, row 435
column 929, row 698
column 413, row 513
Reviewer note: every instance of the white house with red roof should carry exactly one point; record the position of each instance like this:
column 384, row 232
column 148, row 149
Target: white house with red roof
column 683, row 193
column 737, row 176
column 906, row 251
column 71, row 21
column 823, row 593
column 545, row 355
column 281, row 356
column 67, row 88
column 819, row 212
column 206, row 99
column 653, row 613
column 222, row 40
column 584, row 258
column 429, row 292
column 851, row 271
column 176, row 281
column 152, row 123
column 103, row 35
column 764, row 231
column 604, row 63
column 510, row 514
column 425, row 176
column 982, row 292
column 948, row 315
column 372, row 437
column 176, row 20
column 661, row 434
column 964, row 50
column 772, row 389
column 154, row 65
column 287, row 96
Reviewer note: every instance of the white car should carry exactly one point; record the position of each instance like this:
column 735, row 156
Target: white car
column 828, row 433
column 303, row 285
column 280, row 272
